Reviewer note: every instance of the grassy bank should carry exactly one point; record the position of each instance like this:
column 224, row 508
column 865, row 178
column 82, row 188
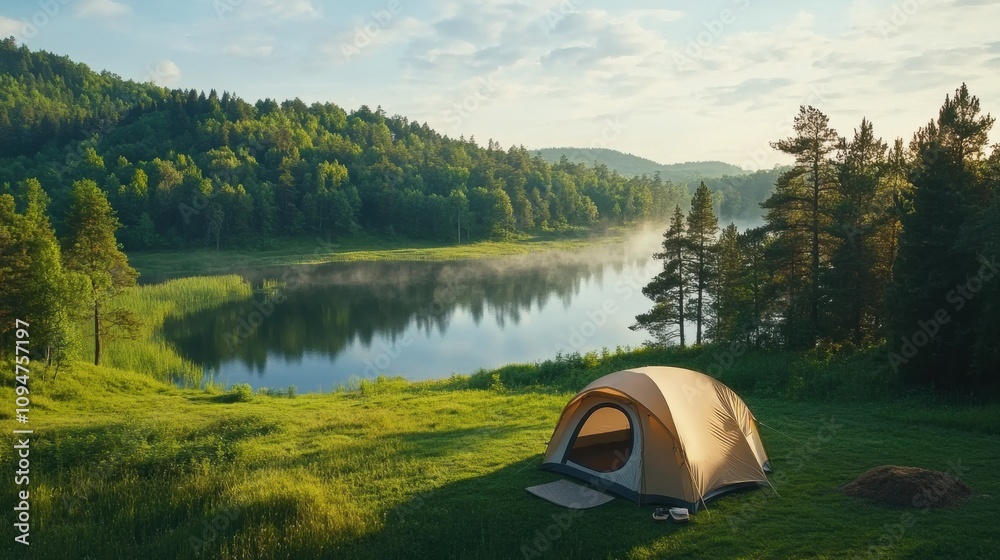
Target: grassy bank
column 125, row 466
column 190, row 262
column 143, row 350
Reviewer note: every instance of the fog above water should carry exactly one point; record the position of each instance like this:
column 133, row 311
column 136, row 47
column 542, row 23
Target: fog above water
column 421, row 320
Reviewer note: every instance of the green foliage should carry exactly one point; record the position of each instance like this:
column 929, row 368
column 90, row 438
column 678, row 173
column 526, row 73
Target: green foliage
column 496, row 384
column 241, row 392
column 800, row 211
column 186, row 170
column 33, row 285
column 952, row 186
column 154, row 304
column 92, row 251
column 669, row 288
column 867, row 225
column 702, row 230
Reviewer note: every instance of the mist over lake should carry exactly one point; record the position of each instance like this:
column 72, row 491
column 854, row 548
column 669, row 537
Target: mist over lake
column 419, row 320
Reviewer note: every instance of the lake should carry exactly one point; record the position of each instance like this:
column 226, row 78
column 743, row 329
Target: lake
column 329, row 323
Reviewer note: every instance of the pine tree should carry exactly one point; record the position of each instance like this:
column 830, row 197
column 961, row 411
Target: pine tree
column 702, row 227
column 855, row 288
column 801, row 208
column 667, row 289
column 755, row 318
column 933, row 321
column 982, row 236
column 92, row 250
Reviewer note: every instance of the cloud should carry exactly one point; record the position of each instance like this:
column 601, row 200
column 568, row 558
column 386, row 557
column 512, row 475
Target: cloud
column 282, row 9
column 745, row 92
column 164, row 73
column 10, row 27
column 97, row 9
column 367, row 37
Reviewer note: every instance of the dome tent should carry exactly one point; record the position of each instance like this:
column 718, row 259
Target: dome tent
column 659, row 435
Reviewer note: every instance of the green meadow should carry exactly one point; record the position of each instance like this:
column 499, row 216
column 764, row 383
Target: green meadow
column 362, row 247
column 126, row 463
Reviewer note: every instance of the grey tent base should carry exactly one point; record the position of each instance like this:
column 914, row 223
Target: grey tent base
column 644, row 499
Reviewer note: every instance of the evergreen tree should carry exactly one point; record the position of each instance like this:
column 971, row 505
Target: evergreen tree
column 982, row 237
column 934, row 315
column 668, row 289
column 728, row 290
column 855, row 287
column 702, row 227
column 92, row 250
column 755, row 316
column 801, row 208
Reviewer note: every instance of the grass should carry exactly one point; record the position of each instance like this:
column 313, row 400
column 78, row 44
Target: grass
column 144, row 351
column 126, row 466
column 191, row 262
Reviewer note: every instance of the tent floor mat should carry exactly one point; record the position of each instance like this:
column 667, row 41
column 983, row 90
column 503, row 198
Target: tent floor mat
column 570, row 495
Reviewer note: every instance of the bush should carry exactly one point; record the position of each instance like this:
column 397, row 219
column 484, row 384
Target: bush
column 241, row 392
column 496, row 384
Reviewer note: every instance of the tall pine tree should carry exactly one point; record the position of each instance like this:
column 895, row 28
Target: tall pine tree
column 702, row 227
column 801, row 208
column 855, row 287
column 668, row 290
column 933, row 318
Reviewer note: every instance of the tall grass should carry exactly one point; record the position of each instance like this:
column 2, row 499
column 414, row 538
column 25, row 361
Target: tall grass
column 145, row 351
column 863, row 375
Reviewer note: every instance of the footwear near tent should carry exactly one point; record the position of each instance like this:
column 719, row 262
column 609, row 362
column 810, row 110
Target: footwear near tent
column 659, row 435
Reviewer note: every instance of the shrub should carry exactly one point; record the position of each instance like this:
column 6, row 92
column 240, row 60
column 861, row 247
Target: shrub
column 241, row 392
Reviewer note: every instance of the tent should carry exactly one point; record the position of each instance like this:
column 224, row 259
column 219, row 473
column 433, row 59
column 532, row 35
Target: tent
column 659, row 435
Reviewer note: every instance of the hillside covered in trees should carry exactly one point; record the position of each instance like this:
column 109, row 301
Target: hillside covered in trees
column 864, row 244
column 736, row 194
column 185, row 168
column 632, row 165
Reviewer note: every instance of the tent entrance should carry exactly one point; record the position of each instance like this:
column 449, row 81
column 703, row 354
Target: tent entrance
column 604, row 439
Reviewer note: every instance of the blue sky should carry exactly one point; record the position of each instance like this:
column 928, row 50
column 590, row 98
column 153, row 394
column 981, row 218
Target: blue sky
column 670, row 81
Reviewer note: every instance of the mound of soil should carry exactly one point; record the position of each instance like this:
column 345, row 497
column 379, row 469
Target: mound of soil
column 908, row 487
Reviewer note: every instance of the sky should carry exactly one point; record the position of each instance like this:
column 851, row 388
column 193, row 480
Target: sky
column 670, row 81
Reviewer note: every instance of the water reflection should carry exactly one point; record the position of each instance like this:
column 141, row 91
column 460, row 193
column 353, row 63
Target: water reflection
column 419, row 320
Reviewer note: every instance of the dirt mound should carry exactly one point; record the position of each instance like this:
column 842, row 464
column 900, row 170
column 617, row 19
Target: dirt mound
column 908, row 487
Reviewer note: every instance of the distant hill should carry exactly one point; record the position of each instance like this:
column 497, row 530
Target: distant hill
column 630, row 165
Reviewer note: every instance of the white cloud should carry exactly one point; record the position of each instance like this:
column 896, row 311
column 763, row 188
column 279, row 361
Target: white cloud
column 365, row 38
column 101, row 8
column 282, row 9
column 654, row 16
column 10, row 27
column 164, row 73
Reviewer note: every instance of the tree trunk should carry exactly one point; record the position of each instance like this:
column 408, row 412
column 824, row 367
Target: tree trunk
column 701, row 291
column 814, row 295
column 680, row 297
column 97, row 333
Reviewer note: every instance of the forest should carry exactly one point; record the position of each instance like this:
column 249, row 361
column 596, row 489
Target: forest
column 863, row 245
column 182, row 168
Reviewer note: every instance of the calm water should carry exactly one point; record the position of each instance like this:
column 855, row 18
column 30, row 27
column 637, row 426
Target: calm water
column 420, row 320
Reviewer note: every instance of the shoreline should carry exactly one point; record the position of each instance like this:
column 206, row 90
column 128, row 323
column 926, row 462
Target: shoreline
column 181, row 263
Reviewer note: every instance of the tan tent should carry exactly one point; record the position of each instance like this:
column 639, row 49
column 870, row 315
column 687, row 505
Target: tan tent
column 659, row 435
